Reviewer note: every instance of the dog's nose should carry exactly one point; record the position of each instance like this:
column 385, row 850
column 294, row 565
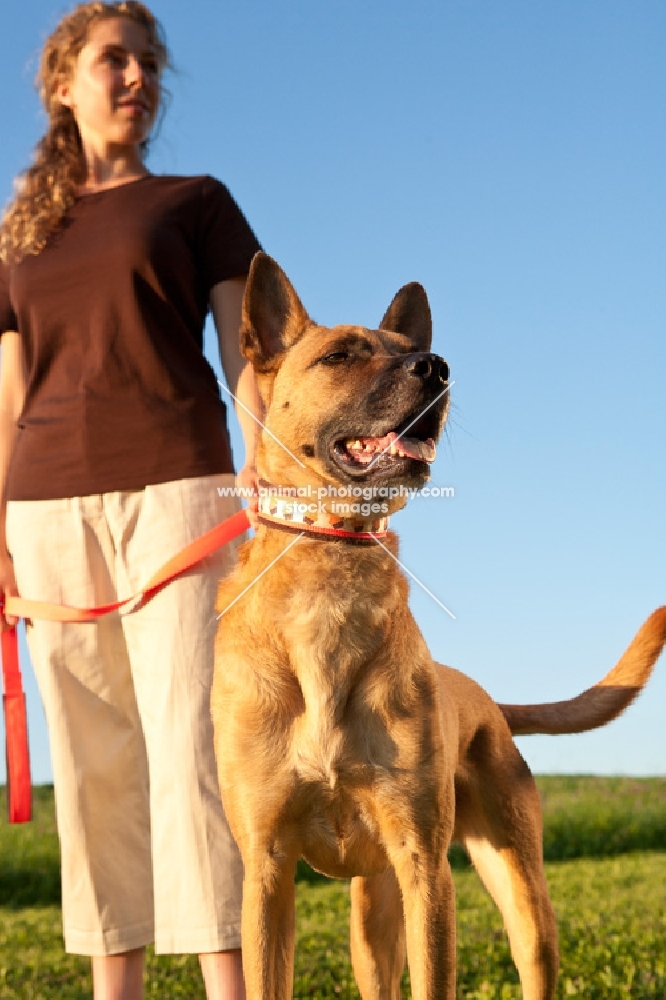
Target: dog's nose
column 427, row 366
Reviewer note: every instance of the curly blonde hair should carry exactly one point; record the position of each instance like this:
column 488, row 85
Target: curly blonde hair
column 46, row 190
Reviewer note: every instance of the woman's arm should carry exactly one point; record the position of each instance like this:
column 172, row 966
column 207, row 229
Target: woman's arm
column 226, row 300
column 12, row 395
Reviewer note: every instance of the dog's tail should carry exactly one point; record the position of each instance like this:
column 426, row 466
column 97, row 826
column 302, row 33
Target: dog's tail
column 603, row 702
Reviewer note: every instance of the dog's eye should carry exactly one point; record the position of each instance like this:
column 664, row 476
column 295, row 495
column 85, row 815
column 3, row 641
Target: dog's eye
column 335, row 358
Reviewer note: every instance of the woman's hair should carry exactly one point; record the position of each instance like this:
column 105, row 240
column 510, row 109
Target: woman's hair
column 46, row 190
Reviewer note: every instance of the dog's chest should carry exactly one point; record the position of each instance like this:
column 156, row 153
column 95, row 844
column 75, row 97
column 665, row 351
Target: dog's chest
column 332, row 647
column 337, row 754
column 339, row 835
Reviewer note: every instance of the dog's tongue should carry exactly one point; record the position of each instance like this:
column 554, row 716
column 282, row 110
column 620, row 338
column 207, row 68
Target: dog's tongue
column 364, row 450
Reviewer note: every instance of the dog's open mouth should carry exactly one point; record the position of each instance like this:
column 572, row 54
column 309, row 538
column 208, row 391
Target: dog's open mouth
column 362, row 452
column 388, row 453
column 405, row 450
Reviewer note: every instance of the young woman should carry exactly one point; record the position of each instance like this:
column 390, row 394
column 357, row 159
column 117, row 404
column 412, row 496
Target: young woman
column 113, row 443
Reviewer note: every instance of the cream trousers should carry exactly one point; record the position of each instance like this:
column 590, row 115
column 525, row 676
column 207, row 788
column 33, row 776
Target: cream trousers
column 146, row 850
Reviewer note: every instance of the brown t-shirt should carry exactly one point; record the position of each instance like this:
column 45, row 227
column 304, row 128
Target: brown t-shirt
column 111, row 312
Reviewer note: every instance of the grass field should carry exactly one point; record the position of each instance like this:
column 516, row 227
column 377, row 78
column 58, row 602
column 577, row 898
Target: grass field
column 605, row 841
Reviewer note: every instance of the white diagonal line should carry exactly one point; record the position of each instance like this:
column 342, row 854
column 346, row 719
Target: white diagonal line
column 415, row 420
column 265, row 570
column 255, row 417
column 414, row 578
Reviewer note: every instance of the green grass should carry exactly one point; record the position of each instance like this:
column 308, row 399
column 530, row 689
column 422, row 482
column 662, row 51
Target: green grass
column 611, row 909
column 29, row 860
column 592, row 817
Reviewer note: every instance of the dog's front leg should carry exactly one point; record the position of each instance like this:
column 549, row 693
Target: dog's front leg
column 268, row 924
column 416, row 831
column 428, row 897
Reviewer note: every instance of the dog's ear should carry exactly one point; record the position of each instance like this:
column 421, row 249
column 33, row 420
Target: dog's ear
column 273, row 315
column 409, row 314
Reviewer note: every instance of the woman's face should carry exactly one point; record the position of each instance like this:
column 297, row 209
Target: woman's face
column 114, row 87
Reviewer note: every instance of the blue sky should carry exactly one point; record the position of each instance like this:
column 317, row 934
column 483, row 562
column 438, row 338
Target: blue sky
column 511, row 157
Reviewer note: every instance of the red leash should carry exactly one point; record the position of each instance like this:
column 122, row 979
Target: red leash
column 19, row 800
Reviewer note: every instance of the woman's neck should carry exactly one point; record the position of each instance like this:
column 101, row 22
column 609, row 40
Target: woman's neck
column 111, row 171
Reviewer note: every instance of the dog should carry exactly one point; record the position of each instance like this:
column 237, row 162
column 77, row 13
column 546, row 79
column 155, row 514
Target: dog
column 338, row 739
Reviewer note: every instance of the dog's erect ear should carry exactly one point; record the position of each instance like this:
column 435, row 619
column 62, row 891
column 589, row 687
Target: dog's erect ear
column 409, row 314
column 273, row 315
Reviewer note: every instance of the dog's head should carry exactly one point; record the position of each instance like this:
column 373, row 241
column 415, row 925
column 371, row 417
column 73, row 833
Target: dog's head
column 344, row 406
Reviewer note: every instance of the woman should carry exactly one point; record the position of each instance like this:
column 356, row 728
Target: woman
column 113, row 444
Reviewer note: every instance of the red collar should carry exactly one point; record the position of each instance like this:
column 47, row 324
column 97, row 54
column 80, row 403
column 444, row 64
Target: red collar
column 331, row 518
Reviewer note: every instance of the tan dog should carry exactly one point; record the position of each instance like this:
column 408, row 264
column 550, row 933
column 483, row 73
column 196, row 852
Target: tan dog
column 337, row 737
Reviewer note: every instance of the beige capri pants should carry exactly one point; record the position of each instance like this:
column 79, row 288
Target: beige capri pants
column 147, row 854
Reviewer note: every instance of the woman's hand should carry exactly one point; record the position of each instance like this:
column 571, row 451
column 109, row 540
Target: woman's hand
column 8, row 588
column 226, row 302
column 12, row 394
column 247, row 479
